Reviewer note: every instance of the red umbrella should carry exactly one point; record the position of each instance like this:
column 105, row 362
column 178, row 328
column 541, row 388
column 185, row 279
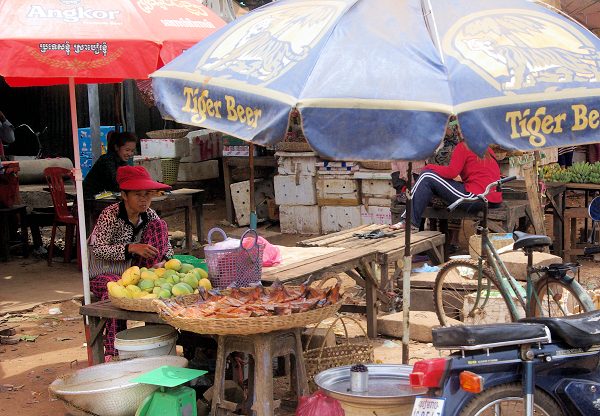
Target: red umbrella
column 54, row 42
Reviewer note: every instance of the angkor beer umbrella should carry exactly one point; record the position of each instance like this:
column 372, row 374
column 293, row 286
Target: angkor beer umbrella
column 94, row 41
column 377, row 80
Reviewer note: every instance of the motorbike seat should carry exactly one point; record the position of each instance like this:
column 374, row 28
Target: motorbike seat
column 524, row 240
column 474, row 337
column 577, row 331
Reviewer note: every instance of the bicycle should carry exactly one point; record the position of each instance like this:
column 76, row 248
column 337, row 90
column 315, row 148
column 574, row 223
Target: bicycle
column 37, row 135
column 483, row 291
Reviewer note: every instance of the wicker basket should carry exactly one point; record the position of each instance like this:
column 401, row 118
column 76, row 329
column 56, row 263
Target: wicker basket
column 139, row 305
column 498, row 240
column 167, row 133
column 293, row 147
column 170, row 170
column 374, row 165
column 346, row 353
column 242, row 326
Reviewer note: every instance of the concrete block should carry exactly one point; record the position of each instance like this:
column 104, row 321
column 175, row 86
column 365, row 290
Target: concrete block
column 421, row 324
column 320, row 338
column 516, row 262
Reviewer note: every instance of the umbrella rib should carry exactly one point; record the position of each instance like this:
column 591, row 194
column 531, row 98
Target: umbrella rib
column 239, row 86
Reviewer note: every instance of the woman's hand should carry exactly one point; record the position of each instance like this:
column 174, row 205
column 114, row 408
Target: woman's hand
column 143, row 250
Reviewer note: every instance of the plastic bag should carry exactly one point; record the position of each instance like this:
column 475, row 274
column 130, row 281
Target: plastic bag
column 271, row 253
column 319, row 404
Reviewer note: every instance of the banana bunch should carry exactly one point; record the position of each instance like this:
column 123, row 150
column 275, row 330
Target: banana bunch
column 546, row 172
column 595, row 173
column 561, row 175
column 581, row 172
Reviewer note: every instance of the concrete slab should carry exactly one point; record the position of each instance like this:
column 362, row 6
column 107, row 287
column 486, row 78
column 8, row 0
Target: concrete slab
column 516, row 262
column 421, row 324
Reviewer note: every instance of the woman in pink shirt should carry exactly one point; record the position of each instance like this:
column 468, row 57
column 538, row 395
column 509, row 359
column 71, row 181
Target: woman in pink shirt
column 475, row 172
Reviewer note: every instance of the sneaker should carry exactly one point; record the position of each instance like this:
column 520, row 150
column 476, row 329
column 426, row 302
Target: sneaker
column 402, row 226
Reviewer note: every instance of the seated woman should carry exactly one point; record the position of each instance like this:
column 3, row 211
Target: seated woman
column 475, row 172
column 128, row 233
column 103, row 175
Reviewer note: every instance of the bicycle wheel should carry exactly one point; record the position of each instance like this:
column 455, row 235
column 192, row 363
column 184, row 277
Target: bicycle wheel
column 559, row 298
column 461, row 297
column 507, row 399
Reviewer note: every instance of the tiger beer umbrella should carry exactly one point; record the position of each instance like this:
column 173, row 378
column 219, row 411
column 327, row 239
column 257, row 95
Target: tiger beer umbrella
column 54, row 42
column 377, row 80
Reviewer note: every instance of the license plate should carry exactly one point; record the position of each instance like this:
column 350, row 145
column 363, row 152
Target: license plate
column 425, row 406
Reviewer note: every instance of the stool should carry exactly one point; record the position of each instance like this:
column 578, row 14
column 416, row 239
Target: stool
column 571, row 247
column 10, row 220
column 263, row 348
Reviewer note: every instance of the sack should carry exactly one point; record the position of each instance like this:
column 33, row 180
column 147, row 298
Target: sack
column 319, row 404
column 271, row 254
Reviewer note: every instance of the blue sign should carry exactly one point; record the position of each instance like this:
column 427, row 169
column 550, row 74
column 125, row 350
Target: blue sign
column 85, row 146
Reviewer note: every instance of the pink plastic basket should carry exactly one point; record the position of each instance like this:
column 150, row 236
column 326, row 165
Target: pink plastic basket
column 236, row 267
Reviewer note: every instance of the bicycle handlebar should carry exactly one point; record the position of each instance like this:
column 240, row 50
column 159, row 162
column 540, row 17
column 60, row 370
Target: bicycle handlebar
column 480, row 197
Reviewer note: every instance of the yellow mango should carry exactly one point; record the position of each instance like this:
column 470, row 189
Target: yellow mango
column 131, row 276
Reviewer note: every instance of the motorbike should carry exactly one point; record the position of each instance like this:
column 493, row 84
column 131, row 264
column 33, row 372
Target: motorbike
column 536, row 366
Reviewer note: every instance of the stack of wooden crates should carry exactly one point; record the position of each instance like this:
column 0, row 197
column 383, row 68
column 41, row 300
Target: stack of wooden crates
column 319, row 197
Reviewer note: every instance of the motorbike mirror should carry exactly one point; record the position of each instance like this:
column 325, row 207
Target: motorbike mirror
column 471, row 382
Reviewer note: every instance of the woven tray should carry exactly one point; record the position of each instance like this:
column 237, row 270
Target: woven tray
column 167, row 134
column 138, row 305
column 375, row 165
column 293, row 147
column 244, row 326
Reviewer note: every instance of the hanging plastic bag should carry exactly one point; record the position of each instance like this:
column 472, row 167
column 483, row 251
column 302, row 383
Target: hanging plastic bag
column 271, row 253
column 319, row 404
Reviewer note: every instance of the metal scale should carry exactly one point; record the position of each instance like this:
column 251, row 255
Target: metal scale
column 172, row 398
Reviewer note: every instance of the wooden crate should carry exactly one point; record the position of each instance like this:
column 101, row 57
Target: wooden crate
column 338, row 191
column 295, row 190
column 337, row 218
column 300, row 219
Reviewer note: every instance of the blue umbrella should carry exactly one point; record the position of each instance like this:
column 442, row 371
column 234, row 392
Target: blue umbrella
column 517, row 73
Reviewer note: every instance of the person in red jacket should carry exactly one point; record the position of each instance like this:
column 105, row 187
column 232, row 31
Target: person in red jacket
column 475, row 172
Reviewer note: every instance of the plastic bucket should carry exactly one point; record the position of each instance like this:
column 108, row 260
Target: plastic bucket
column 146, row 341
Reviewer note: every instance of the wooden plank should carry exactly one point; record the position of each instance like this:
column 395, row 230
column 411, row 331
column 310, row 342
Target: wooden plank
column 333, row 237
column 333, row 262
column 105, row 309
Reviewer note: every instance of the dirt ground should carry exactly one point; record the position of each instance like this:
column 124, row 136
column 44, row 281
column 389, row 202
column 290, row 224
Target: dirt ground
column 31, row 292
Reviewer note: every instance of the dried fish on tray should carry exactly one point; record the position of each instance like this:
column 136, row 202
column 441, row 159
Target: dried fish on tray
column 251, row 310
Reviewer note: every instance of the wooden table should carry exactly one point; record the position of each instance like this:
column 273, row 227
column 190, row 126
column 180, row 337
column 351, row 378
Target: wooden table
column 98, row 313
column 240, row 161
column 389, row 250
column 572, row 246
column 165, row 206
column 197, row 203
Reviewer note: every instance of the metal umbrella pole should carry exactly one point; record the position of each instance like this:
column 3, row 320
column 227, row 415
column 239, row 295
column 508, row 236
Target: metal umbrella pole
column 407, row 264
column 253, row 218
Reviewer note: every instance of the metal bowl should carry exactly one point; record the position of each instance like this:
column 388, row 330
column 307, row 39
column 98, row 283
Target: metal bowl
column 106, row 389
column 388, row 384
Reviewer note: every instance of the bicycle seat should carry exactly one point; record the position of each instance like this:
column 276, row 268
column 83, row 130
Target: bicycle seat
column 578, row 331
column 524, row 240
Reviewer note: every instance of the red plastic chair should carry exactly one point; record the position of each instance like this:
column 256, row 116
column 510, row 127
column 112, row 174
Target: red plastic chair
column 63, row 213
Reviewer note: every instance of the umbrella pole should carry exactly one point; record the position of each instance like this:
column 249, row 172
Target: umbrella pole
column 407, row 264
column 79, row 188
column 253, row 219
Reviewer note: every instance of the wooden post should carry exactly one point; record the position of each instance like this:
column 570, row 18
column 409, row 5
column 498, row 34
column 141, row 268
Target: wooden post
column 533, row 195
